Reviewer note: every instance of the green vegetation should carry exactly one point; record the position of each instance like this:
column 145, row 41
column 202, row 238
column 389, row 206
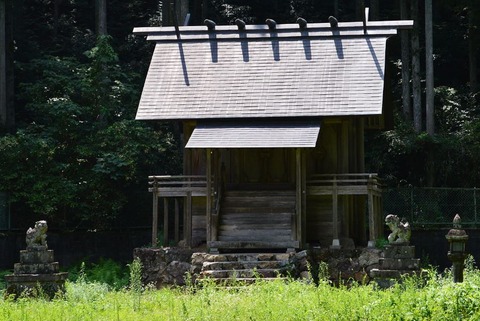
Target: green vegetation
column 105, row 271
column 433, row 297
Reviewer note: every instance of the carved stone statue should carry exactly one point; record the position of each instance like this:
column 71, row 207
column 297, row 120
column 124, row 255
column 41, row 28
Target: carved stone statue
column 37, row 236
column 401, row 231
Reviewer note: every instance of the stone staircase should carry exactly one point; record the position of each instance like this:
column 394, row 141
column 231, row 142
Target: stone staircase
column 245, row 267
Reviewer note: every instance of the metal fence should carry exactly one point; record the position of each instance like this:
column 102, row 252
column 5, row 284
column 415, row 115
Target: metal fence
column 4, row 212
column 433, row 207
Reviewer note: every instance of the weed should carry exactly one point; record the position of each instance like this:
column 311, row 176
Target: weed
column 432, row 297
column 136, row 285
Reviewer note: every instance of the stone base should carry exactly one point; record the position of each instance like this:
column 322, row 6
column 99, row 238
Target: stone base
column 399, row 260
column 33, row 285
column 36, row 255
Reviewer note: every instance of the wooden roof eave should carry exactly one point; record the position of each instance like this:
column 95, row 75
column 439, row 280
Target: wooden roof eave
column 281, row 30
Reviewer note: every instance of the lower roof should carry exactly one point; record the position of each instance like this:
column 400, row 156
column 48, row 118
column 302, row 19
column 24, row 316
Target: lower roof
column 257, row 134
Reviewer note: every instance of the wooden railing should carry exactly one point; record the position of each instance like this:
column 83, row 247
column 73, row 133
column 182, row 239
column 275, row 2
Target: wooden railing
column 180, row 189
column 344, row 184
column 171, row 186
column 351, row 184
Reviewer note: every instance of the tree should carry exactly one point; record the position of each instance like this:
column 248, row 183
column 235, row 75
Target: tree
column 82, row 152
column 473, row 45
column 3, row 66
column 101, row 17
column 405, row 48
column 416, row 79
column 429, row 89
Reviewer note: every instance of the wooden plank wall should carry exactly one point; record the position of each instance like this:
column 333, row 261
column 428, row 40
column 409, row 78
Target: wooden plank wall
column 319, row 218
column 199, row 220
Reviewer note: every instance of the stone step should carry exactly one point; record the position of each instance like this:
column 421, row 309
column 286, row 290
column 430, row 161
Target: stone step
column 238, row 282
column 246, row 273
column 236, row 265
column 392, row 274
column 235, row 257
column 399, row 264
column 399, row 251
column 36, row 268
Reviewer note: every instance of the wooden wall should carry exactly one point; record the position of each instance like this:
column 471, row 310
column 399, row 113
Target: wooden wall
column 199, row 220
column 340, row 149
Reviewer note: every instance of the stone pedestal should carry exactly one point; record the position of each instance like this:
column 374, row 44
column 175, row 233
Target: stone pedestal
column 36, row 274
column 398, row 260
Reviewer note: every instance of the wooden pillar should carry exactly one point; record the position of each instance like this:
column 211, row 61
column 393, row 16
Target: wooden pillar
column 177, row 221
column 165, row 221
column 155, row 217
column 303, row 240
column 209, row 194
column 297, row 226
column 371, row 216
column 336, row 241
column 187, row 219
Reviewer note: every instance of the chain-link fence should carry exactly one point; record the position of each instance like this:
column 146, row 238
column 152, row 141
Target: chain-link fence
column 4, row 212
column 433, row 207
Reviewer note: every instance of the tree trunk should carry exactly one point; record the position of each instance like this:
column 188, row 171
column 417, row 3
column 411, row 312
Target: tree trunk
column 429, row 98
column 101, row 17
column 3, row 66
column 405, row 45
column 56, row 15
column 175, row 9
column 374, row 10
column 417, row 87
column 472, row 49
column 335, row 9
column 7, row 112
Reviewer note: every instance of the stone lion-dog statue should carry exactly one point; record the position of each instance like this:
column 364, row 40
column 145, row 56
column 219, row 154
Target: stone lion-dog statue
column 37, row 236
column 401, row 231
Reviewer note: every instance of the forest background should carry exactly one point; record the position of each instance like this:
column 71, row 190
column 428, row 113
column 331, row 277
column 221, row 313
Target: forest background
column 71, row 74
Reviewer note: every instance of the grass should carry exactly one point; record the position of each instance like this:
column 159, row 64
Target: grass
column 435, row 297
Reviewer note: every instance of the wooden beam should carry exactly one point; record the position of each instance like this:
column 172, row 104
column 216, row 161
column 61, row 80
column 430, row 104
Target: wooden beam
column 155, row 220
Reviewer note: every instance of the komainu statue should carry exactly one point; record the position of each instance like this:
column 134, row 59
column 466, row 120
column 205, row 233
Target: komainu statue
column 37, row 236
column 401, row 231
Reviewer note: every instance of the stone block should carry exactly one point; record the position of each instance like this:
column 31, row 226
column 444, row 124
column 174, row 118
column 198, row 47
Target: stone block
column 399, row 264
column 399, row 251
column 36, row 256
column 35, row 284
column 36, row 268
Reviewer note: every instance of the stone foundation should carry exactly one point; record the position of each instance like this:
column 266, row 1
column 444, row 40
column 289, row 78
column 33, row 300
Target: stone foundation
column 164, row 266
column 168, row 266
column 36, row 274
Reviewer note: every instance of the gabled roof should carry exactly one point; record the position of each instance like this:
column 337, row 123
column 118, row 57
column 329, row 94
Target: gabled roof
column 259, row 72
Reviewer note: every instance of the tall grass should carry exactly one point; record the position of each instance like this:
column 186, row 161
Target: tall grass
column 432, row 297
